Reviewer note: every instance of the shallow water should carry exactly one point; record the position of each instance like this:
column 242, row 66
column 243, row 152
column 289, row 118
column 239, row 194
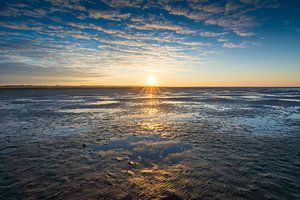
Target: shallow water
column 126, row 143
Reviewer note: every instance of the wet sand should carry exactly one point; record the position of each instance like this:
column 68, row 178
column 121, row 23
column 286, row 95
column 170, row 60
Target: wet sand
column 126, row 143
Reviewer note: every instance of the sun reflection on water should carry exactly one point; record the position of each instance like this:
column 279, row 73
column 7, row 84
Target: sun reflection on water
column 150, row 91
column 149, row 144
column 151, row 94
column 151, row 166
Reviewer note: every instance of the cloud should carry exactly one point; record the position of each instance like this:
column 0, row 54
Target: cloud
column 241, row 45
column 237, row 22
column 212, row 8
column 161, row 26
column 188, row 13
column 262, row 3
column 92, row 26
column 136, row 35
column 109, row 15
column 155, row 23
column 14, row 26
column 243, row 33
column 15, row 10
column 9, row 12
column 24, row 69
column 60, row 5
column 233, row 15
column 122, row 3
column 195, row 43
column 164, row 58
column 232, row 6
column 234, row 45
column 110, row 54
column 211, row 34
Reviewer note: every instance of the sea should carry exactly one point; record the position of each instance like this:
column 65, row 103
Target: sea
column 135, row 143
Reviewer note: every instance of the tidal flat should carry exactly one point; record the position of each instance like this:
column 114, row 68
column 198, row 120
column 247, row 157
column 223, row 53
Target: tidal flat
column 134, row 143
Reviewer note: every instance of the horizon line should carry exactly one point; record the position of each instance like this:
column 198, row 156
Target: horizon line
column 35, row 86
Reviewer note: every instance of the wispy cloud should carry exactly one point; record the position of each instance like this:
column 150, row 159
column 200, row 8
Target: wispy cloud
column 241, row 45
column 75, row 36
column 162, row 26
column 262, row 3
column 211, row 34
column 110, row 15
column 122, row 3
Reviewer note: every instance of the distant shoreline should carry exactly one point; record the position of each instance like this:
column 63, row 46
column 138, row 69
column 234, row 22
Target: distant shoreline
column 119, row 87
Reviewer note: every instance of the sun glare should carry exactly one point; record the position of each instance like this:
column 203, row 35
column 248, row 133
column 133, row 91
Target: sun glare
column 151, row 81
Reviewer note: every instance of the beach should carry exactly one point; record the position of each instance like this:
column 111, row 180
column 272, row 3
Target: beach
column 129, row 143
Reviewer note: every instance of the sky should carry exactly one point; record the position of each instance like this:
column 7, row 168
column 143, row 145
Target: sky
column 181, row 43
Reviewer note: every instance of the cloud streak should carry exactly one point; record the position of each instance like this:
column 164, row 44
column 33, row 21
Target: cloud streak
column 139, row 36
column 109, row 15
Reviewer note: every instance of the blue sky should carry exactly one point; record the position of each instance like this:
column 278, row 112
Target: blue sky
column 182, row 43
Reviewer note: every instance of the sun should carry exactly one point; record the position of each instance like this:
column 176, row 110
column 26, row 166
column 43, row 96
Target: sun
column 151, row 81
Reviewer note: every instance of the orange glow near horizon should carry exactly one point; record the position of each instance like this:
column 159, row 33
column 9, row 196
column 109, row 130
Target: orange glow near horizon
column 171, row 80
column 151, row 87
column 151, row 81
